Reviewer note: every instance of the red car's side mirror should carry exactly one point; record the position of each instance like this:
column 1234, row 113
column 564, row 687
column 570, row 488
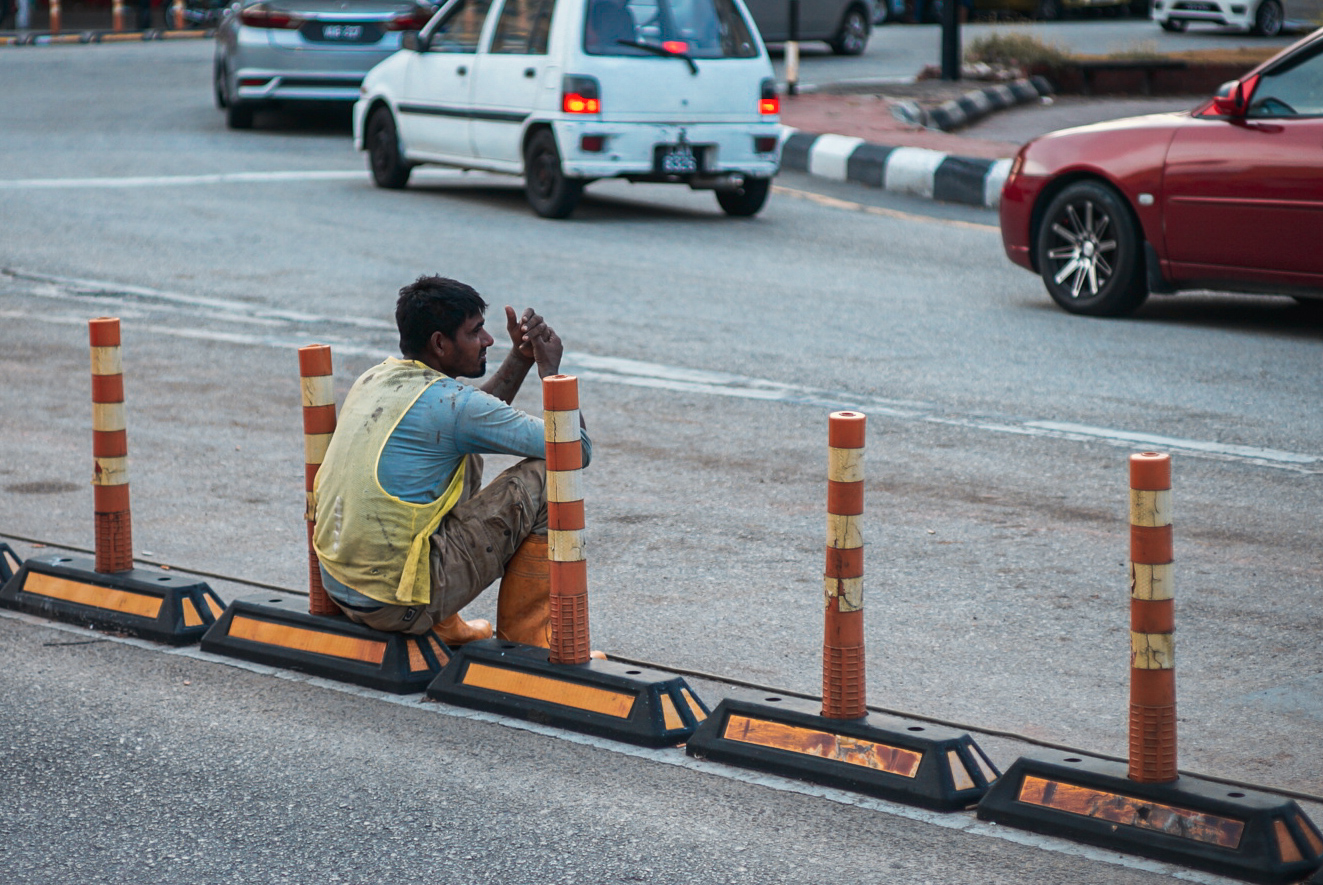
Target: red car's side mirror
column 1231, row 99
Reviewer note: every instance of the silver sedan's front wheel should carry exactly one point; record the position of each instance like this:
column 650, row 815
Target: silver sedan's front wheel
column 852, row 38
column 1088, row 252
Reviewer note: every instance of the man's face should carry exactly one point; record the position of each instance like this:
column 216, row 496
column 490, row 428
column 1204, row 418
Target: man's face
column 466, row 353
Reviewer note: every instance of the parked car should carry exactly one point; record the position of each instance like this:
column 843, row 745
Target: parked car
column 1264, row 18
column 564, row 92
column 275, row 51
column 1227, row 196
column 845, row 25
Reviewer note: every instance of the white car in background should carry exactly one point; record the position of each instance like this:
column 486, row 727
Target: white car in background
column 564, row 92
column 1263, row 18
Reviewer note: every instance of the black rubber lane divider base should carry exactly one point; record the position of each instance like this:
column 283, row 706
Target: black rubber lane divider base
column 9, row 563
column 1228, row 830
column 906, row 761
column 278, row 631
column 625, row 703
column 147, row 602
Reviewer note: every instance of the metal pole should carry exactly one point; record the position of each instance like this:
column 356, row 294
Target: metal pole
column 792, row 51
column 950, row 40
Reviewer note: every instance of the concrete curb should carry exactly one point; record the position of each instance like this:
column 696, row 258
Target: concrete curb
column 907, row 170
column 33, row 38
column 973, row 106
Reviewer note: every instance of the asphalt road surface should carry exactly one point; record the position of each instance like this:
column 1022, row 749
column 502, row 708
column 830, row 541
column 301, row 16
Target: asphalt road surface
column 710, row 352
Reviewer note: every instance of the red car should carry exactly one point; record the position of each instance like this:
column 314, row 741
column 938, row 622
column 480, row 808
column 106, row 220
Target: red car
column 1228, row 196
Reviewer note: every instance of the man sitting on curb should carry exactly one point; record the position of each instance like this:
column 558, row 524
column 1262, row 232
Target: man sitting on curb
column 404, row 535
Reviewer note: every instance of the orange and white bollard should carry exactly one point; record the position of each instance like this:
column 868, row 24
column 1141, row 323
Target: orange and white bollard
column 56, row 17
column 177, row 15
column 110, row 450
column 843, row 679
column 117, row 15
column 318, row 425
column 565, row 521
column 1152, row 622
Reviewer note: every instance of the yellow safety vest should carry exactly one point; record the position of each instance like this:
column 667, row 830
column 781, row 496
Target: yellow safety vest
column 365, row 537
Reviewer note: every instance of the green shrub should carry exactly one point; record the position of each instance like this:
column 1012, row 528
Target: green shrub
column 1010, row 50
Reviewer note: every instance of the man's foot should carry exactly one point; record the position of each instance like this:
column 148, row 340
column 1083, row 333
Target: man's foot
column 454, row 630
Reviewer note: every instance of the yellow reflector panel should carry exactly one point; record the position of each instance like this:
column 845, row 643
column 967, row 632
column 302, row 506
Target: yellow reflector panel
column 543, row 688
column 1311, row 836
column 93, row 595
column 959, row 774
column 823, row 744
column 191, row 616
column 1118, row 809
column 694, row 706
column 438, row 649
column 989, row 773
column 417, row 661
column 370, row 650
column 1287, row 850
column 216, row 610
column 670, row 716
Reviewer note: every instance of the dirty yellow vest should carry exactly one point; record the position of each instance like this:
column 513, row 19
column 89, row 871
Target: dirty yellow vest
column 365, row 537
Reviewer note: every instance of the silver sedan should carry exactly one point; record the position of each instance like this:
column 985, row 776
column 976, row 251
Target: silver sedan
column 304, row 50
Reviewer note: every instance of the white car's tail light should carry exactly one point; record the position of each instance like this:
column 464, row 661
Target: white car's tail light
column 580, row 95
column 770, row 102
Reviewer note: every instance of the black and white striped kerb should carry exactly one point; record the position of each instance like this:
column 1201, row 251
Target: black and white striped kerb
column 973, row 106
column 907, row 170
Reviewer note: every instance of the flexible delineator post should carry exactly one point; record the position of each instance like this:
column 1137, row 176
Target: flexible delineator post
column 56, row 17
column 1152, row 622
column 117, row 15
column 177, row 15
column 565, row 521
column 110, row 450
column 843, row 689
column 318, row 425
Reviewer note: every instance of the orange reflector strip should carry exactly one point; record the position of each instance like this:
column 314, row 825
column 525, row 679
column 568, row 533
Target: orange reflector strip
column 417, row 661
column 959, row 774
column 670, row 716
column 543, row 688
column 191, row 616
column 215, row 607
column 11, row 562
column 1311, row 836
column 989, row 773
column 1287, row 850
column 93, row 595
column 438, row 649
column 694, row 706
column 823, row 744
column 1119, row 809
column 369, row 650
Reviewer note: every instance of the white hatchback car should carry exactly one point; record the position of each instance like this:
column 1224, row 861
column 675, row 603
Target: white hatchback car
column 564, row 92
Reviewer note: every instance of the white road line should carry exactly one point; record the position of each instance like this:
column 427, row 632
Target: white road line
column 964, row 821
column 132, row 181
column 612, row 370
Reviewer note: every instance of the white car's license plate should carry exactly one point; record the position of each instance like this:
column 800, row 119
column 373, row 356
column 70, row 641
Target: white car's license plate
column 677, row 159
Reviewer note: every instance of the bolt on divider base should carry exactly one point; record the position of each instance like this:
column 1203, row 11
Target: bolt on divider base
column 146, row 602
column 915, row 763
column 1228, row 830
column 603, row 698
column 278, row 631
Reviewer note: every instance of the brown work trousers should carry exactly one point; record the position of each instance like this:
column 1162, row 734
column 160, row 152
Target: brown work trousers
column 472, row 545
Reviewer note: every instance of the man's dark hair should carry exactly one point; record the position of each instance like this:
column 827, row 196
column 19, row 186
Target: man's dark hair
column 433, row 304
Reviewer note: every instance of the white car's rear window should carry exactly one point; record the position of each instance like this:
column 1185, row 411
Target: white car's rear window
column 692, row 28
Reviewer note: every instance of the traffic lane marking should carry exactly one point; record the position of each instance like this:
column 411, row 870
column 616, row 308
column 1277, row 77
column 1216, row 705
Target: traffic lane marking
column 634, row 373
